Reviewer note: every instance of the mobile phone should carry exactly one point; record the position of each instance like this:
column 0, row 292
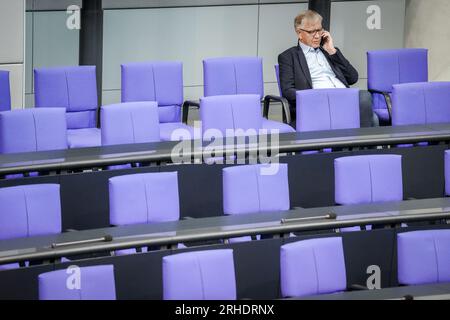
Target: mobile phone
column 323, row 41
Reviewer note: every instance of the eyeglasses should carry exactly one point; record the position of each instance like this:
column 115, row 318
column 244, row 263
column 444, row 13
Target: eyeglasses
column 313, row 33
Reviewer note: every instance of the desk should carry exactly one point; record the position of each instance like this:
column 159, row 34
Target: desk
column 439, row 291
column 99, row 157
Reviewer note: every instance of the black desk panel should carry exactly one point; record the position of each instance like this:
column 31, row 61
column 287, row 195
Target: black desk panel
column 85, row 203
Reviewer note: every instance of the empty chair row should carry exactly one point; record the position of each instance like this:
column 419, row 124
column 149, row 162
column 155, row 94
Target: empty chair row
column 31, row 210
column 307, row 268
column 40, row 129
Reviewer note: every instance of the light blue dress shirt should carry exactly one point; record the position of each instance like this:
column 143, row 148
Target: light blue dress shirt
column 322, row 75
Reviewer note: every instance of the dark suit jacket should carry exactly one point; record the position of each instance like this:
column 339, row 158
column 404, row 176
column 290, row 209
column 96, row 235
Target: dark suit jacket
column 295, row 75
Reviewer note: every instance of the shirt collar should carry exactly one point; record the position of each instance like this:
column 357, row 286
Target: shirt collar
column 306, row 48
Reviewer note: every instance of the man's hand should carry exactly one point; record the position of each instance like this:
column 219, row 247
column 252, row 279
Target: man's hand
column 328, row 44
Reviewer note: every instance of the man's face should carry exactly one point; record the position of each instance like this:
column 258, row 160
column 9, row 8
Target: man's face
column 310, row 33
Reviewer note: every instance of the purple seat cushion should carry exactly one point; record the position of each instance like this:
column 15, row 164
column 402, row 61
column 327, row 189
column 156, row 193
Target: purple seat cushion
column 167, row 129
column 81, row 138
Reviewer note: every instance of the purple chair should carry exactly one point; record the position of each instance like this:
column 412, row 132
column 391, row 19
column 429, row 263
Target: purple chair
column 234, row 112
column 246, row 189
column 161, row 82
column 388, row 67
column 367, row 179
column 131, row 122
column 423, row 257
column 5, row 95
column 75, row 89
column 144, row 198
column 447, row 172
column 312, row 267
column 327, row 109
column 29, row 130
column 28, row 211
column 421, row 103
column 239, row 75
column 95, row 283
column 199, row 275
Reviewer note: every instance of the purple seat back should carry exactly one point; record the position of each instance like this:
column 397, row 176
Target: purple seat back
column 73, row 88
column 29, row 130
column 199, row 275
column 312, row 267
column 233, row 75
column 327, row 109
column 30, row 210
column 367, row 179
column 155, row 81
column 5, row 95
column 144, row 198
column 231, row 112
column 247, row 190
column 388, row 67
column 423, row 257
column 130, row 122
column 96, row 283
column 421, row 103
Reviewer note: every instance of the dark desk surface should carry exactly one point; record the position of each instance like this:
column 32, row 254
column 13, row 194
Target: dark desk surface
column 86, row 158
column 38, row 248
column 439, row 291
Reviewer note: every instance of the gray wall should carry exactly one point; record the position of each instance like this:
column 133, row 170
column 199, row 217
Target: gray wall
column 427, row 26
column 12, row 46
column 169, row 30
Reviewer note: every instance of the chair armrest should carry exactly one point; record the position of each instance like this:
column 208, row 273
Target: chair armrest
column 284, row 104
column 388, row 100
column 186, row 105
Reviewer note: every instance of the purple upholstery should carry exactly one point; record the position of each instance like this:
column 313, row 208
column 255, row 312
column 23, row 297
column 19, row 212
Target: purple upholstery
column 312, row 267
column 5, row 95
column 233, row 112
column 366, row 179
column 421, row 103
column 96, row 283
column 423, row 257
column 388, row 67
column 29, row 210
column 199, row 275
column 447, row 172
column 247, row 190
column 233, row 75
column 144, row 198
column 29, row 130
column 155, row 81
column 327, row 109
column 131, row 122
column 161, row 82
column 75, row 89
